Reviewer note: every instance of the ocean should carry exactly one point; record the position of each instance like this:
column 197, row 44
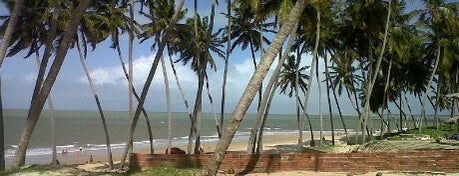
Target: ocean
column 75, row 129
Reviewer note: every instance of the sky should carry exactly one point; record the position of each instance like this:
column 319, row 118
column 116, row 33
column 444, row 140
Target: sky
column 71, row 90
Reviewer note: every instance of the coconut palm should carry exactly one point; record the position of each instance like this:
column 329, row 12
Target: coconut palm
column 148, row 82
column 252, row 87
column 441, row 20
column 246, row 32
column 200, row 56
column 37, row 103
column 293, row 79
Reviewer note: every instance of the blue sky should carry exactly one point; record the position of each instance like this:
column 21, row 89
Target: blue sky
column 72, row 92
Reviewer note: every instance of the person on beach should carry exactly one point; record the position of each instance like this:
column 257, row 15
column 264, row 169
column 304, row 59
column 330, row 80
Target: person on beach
column 91, row 159
column 79, row 152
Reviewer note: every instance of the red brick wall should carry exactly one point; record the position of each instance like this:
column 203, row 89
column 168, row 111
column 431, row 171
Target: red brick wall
column 431, row 160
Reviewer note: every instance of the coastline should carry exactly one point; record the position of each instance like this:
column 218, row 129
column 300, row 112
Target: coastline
column 272, row 143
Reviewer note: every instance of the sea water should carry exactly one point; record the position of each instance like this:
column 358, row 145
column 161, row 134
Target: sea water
column 75, row 129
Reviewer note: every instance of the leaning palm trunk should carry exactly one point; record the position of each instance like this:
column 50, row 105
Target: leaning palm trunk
column 340, row 115
column 373, row 80
column 187, row 105
column 53, row 129
column 252, row 87
column 424, row 98
column 263, row 121
column 38, row 102
column 255, row 136
column 148, row 82
column 211, row 101
column 308, row 91
column 101, row 112
column 144, row 112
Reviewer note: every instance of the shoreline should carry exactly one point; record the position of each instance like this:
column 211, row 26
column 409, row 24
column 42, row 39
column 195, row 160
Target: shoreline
column 272, row 143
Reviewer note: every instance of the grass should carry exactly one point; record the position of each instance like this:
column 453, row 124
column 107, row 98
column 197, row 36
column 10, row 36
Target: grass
column 430, row 131
column 32, row 168
column 166, row 171
column 170, row 171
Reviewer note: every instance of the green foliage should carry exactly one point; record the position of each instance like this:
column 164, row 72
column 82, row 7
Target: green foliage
column 169, row 171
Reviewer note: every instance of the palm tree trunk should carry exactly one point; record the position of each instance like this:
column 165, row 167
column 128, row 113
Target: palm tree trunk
column 437, row 99
column 252, row 87
column 385, row 95
column 53, row 129
column 3, row 47
column 423, row 108
column 330, row 112
column 38, row 102
column 340, row 115
column 259, row 145
column 311, row 72
column 2, row 130
column 144, row 112
column 254, row 61
column 131, row 67
column 255, row 135
column 148, row 82
column 187, row 105
column 211, row 101
column 321, row 119
column 10, row 29
column 169, row 105
column 197, row 112
column 373, row 79
column 225, row 71
column 101, row 112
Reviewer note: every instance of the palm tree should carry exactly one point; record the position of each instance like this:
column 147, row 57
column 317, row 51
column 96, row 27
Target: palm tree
column 246, row 32
column 99, row 106
column 252, row 87
column 52, row 115
column 271, row 89
column 37, row 103
column 442, row 20
column 200, row 56
column 148, row 82
column 292, row 79
column 7, row 35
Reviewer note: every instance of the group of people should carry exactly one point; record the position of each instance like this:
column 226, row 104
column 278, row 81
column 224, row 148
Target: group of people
column 78, row 153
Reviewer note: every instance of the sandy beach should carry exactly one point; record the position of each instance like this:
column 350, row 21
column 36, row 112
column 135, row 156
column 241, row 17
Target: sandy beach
column 285, row 143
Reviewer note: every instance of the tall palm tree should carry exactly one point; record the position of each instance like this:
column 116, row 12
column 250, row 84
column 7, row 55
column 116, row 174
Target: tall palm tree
column 441, row 18
column 148, row 82
column 99, row 106
column 246, row 31
column 7, row 35
column 293, row 79
column 52, row 117
column 271, row 89
column 37, row 103
column 200, row 56
column 252, row 87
